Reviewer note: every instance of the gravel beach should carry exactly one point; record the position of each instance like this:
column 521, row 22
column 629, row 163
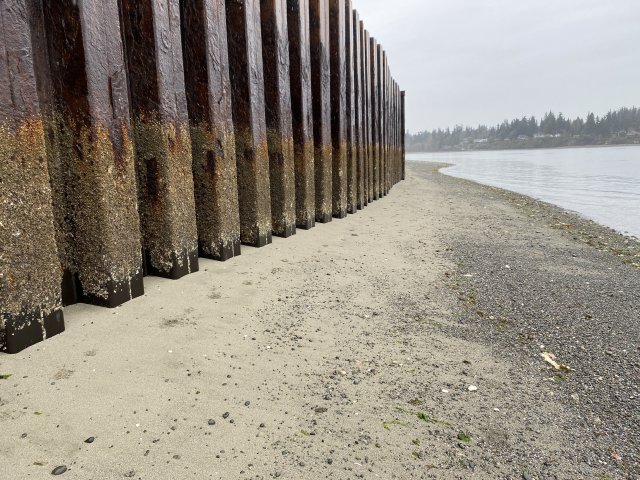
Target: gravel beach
column 404, row 342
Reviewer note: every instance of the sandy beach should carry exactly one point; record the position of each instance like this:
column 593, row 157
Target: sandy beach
column 404, row 342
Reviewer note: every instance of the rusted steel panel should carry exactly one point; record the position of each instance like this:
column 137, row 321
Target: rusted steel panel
column 302, row 111
column 206, row 62
column 395, row 132
column 375, row 117
column 368, row 115
column 153, row 50
column 389, row 136
column 92, row 158
column 384, row 111
column 380, row 118
column 358, row 111
column 352, row 143
column 338, row 68
column 321, row 92
column 402, row 123
column 252, row 152
column 275, row 55
column 30, row 275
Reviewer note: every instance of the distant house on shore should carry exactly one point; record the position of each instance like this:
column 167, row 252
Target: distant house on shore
column 481, row 140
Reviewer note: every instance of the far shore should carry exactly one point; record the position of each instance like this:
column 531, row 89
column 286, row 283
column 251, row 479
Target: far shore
column 565, row 147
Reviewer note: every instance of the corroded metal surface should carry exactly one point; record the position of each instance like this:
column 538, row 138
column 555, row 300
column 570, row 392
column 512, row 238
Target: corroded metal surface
column 166, row 203
column 366, row 81
column 383, row 123
column 321, row 93
column 402, row 120
column 252, row 153
column 358, row 111
column 302, row 111
column 30, row 275
column 91, row 157
column 352, row 143
column 206, row 61
column 379, row 120
column 275, row 55
column 338, row 68
column 375, row 117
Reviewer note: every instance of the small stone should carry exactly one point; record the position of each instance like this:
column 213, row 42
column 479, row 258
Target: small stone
column 246, row 404
column 262, row 425
column 526, row 476
column 90, row 440
column 225, row 415
column 212, row 422
column 329, row 461
column 59, row 470
column 473, row 388
column 24, row 435
column 321, row 410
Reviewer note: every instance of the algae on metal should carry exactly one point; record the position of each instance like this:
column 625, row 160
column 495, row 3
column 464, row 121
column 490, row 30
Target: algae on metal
column 165, row 193
column 29, row 267
column 216, row 190
column 95, row 180
column 282, row 177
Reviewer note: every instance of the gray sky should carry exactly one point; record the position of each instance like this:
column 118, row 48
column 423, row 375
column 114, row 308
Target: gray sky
column 481, row 61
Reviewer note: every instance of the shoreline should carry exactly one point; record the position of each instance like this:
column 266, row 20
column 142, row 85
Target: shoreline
column 628, row 245
column 350, row 351
column 628, row 236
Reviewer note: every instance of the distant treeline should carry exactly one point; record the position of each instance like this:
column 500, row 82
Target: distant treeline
column 616, row 127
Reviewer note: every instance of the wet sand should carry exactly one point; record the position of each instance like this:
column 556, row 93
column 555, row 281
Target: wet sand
column 393, row 344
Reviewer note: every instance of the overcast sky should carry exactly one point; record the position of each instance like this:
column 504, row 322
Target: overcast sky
column 481, row 61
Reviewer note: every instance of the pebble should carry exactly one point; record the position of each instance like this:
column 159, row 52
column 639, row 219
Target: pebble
column 526, row 476
column 321, row 410
column 212, row 422
column 473, row 388
column 59, row 470
column 262, row 425
column 246, row 404
column 225, row 415
column 90, row 440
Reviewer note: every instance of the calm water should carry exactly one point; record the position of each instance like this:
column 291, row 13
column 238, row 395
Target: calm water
column 602, row 184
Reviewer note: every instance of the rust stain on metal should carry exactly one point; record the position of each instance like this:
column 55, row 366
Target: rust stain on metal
column 351, row 141
column 321, row 88
column 302, row 113
column 368, row 114
column 152, row 41
column 91, row 152
column 252, row 152
column 338, row 69
column 212, row 134
column 275, row 55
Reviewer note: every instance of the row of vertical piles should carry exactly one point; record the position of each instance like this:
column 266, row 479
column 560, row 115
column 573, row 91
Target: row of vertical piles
column 137, row 136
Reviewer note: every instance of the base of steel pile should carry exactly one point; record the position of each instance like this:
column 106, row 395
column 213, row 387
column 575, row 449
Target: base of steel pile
column 181, row 266
column 26, row 329
column 118, row 292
